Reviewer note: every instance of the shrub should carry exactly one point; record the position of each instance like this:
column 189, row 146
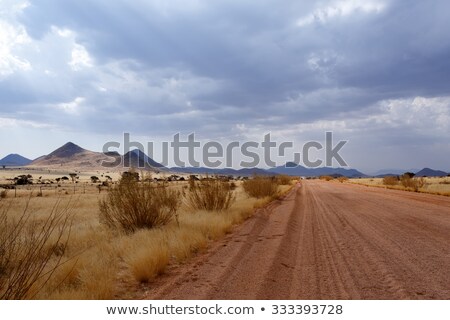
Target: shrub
column 390, row 181
column 412, row 183
column 23, row 180
column 342, row 179
column 284, row 179
column 130, row 175
column 25, row 259
column 210, row 195
column 260, row 187
column 3, row 194
column 326, row 178
column 409, row 174
column 94, row 179
column 132, row 205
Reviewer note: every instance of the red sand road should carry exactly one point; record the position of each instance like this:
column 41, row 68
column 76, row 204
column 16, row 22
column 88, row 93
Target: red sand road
column 326, row 240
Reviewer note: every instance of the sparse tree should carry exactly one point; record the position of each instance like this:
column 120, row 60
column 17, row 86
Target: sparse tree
column 130, row 175
column 73, row 176
column 409, row 174
column 94, row 179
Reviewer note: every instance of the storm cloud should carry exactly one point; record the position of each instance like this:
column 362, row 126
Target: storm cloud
column 375, row 72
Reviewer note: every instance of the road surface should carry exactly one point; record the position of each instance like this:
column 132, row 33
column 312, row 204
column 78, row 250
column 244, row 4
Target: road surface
column 326, row 240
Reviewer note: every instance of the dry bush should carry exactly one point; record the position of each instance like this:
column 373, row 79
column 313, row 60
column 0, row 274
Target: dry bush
column 284, row 179
column 260, row 187
column 326, row 178
column 412, row 183
column 27, row 247
column 210, row 195
column 342, row 179
column 390, row 181
column 131, row 205
column 3, row 194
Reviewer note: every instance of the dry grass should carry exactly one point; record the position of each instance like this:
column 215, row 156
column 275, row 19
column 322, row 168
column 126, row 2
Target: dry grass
column 148, row 259
column 27, row 248
column 424, row 185
column 104, row 263
column 260, row 187
column 284, row 180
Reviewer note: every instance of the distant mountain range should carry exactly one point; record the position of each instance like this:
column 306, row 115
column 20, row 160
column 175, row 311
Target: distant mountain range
column 293, row 170
column 224, row 171
column 392, row 172
column 427, row 172
column 71, row 155
column 14, row 160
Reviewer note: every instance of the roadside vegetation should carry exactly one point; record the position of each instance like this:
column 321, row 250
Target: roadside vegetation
column 210, row 195
column 31, row 248
column 99, row 245
column 407, row 182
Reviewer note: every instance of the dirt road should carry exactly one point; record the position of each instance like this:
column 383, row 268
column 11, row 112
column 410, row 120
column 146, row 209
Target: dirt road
column 326, row 241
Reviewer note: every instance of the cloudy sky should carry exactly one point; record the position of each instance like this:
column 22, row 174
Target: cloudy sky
column 375, row 72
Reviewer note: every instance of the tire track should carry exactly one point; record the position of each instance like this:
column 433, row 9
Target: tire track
column 326, row 241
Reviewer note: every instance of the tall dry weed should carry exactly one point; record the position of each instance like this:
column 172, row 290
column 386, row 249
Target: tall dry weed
column 27, row 247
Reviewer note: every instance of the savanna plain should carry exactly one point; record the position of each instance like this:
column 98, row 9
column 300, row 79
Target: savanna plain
column 103, row 235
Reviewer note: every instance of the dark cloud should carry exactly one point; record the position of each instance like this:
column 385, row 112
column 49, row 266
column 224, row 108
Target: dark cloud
column 161, row 67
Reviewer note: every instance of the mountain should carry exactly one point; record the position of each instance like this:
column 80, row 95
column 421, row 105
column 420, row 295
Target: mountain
column 392, row 172
column 138, row 159
column 68, row 150
column 293, row 170
column 14, row 160
column 427, row 172
column 389, row 172
column 246, row 172
column 290, row 169
column 71, row 155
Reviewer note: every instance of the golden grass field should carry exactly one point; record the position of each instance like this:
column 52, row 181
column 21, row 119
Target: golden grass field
column 439, row 186
column 101, row 263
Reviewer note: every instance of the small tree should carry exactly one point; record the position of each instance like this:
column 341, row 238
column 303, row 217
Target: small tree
column 94, row 179
column 73, row 176
column 130, row 176
column 409, row 174
column 23, row 180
